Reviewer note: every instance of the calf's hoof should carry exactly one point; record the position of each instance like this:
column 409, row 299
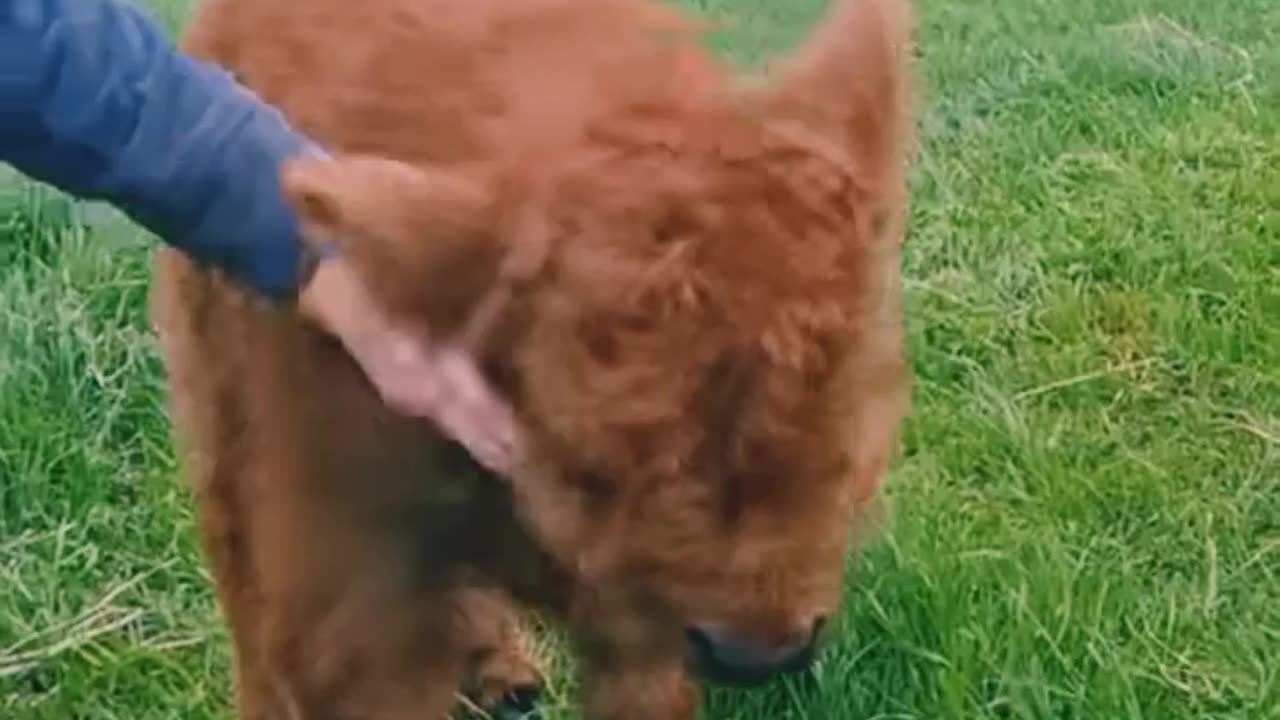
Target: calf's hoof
column 518, row 703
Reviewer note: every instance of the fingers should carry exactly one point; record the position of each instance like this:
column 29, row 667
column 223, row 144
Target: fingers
column 413, row 377
column 445, row 386
column 470, row 412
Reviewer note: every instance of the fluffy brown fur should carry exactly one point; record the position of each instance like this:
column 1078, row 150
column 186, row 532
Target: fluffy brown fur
column 703, row 344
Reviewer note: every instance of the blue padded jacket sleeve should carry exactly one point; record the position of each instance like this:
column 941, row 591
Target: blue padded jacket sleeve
column 95, row 100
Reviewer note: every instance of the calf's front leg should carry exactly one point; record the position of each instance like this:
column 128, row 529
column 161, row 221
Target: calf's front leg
column 633, row 665
column 653, row 692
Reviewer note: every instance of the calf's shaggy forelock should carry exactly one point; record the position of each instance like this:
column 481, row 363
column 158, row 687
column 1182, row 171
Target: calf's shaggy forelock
column 701, row 339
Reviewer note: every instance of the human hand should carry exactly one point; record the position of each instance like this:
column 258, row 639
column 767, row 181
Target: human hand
column 413, row 376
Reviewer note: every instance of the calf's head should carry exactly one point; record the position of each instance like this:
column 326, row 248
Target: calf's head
column 707, row 356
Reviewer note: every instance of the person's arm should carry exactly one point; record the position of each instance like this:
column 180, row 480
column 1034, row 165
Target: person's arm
column 95, row 100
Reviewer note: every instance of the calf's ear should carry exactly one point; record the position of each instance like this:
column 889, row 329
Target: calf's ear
column 424, row 239
column 850, row 83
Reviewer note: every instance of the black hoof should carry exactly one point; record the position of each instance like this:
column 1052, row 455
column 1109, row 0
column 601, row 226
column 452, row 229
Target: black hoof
column 518, row 704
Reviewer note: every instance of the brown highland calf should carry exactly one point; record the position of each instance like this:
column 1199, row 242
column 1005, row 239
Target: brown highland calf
column 698, row 325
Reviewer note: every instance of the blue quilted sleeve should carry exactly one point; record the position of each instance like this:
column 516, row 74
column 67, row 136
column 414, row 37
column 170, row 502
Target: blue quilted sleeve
column 95, row 100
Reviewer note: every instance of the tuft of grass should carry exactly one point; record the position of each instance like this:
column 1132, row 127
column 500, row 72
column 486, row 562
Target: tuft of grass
column 1087, row 507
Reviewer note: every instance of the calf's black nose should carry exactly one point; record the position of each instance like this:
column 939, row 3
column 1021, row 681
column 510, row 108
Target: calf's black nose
column 727, row 658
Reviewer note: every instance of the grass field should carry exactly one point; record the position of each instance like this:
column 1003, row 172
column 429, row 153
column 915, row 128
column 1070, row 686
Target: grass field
column 1086, row 514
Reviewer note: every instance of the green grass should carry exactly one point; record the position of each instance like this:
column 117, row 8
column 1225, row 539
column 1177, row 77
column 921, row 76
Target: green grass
column 1087, row 508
